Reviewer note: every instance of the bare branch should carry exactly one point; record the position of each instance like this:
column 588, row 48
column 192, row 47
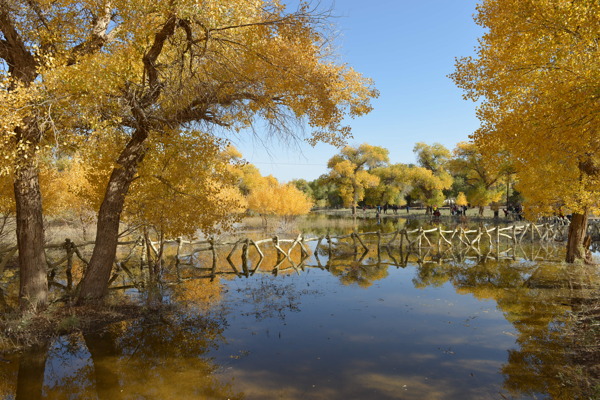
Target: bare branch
column 253, row 24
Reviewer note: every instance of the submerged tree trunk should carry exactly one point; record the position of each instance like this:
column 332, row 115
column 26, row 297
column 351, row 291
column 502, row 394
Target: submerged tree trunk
column 578, row 243
column 94, row 285
column 33, row 290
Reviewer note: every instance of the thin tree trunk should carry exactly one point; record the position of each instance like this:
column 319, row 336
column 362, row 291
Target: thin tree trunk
column 576, row 243
column 94, row 285
column 33, row 290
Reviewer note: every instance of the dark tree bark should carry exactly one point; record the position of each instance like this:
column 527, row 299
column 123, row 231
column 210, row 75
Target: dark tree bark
column 578, row 243
column 94, row 285
column 33, row 290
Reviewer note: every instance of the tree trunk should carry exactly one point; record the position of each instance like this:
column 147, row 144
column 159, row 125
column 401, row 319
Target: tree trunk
column 576, row 243
column 94, row 285
column 33, row 290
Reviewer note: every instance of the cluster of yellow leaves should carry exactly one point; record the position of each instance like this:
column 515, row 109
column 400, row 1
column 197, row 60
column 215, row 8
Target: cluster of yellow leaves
column 272, row 198
column 248, row 60
column 537, row 72
column 352, row 170
column 394, row 183
column 64, row 182
column 18, row 104
column 184, row 185
column 430, row 178
column 461, row 199
column 480, row 175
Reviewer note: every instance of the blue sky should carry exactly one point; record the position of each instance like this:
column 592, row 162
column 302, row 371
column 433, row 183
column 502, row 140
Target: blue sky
column 408, row 48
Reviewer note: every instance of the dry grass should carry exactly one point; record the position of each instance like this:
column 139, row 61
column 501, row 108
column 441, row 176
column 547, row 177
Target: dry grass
column 19, row 331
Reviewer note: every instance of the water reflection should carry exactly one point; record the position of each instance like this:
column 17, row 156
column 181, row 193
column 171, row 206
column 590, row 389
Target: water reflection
column 383, row 324
column 158, row 357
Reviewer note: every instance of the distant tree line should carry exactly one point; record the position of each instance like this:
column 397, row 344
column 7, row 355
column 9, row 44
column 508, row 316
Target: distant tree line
column 364, row 177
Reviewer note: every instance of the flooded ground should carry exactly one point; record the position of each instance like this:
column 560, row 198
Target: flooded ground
column 340, row 328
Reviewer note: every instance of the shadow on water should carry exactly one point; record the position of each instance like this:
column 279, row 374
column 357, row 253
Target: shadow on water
column 385, row 324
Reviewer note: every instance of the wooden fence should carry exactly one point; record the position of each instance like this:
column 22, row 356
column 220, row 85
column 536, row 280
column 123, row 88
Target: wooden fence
column 245, row 257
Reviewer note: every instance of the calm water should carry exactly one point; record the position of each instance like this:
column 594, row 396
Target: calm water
column 357, row 330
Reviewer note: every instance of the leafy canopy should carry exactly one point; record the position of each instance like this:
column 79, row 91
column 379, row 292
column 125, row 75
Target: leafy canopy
column 537, row 77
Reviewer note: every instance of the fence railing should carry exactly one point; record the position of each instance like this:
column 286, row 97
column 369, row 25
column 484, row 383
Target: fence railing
column 247, row 256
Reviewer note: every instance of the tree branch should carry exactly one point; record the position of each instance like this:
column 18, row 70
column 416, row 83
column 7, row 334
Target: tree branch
column 21, row 62
column 99, row 36
column 152, row 55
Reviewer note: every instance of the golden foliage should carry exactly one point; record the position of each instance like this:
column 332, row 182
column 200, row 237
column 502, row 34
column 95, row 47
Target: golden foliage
column 394, row 182
column 431, row 176
column 351, row 170
column 537, row 75
column 184, row 184
column 461, row 199
column 273, row 198
column 480, row 175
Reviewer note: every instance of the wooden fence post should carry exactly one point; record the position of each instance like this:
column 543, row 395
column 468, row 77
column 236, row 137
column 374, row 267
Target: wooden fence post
column 379, row 246
column 69, row 271
column 245, row 257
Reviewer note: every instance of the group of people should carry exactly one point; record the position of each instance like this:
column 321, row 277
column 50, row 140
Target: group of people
column 515, row 212
column 511, row 211
column 458, row 210
column 394, row 208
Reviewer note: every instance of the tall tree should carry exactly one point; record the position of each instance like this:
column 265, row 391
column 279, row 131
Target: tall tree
column 537, row 76
column 430, row 177
column 394, row 183
column 479, row 176
column 218, row 63
column 326, row 192
column 352, row 171
column 36, row 37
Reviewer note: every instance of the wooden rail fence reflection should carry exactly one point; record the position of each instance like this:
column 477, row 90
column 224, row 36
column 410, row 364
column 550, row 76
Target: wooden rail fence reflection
column 246, row 256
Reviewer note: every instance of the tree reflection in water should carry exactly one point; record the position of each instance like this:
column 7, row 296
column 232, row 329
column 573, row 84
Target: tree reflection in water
column 542, row 301
column 552, row 307
column 161, row 356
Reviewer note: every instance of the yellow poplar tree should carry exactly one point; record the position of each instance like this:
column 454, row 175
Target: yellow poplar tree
column 36, row 38
column 184, row 186
column 272, row 198
column 394, row 183
column 217, row 63
column 479, row 175
column 430, row 177
column 351, row 171
column 461, row 199
column 537, row 77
